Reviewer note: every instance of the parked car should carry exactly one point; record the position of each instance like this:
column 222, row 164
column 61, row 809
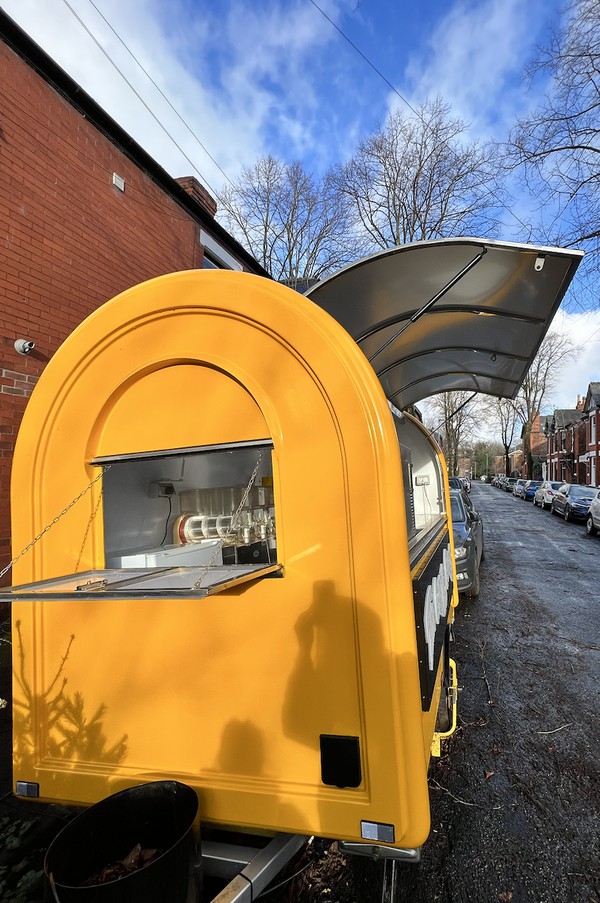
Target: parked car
column 467, row 528
column 519, row 489
column 573, row 500
column 457, row 484
column 545, row 493
column 530, row 488
column 509, row 483
column 592, row 524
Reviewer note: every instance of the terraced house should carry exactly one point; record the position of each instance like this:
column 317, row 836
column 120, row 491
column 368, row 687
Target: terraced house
column 572, row 436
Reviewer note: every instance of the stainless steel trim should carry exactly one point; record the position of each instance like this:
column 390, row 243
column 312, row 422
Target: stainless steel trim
column 102, row 587
column 374, row 851
column 174, row 452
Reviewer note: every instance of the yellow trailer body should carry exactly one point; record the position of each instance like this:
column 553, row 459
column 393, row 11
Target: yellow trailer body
column 289, row 669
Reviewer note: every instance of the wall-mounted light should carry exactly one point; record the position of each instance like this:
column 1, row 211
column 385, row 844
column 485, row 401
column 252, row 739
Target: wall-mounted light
column 24, row 346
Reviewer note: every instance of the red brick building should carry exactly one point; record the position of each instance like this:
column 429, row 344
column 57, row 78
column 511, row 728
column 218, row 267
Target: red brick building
column 84, row 214
column 591, row 409
column 566, row 443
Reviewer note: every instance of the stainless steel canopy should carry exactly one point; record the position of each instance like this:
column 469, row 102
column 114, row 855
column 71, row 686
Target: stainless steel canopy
column 459, row 313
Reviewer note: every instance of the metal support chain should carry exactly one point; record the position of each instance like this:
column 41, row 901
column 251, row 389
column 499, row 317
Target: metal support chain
column 33, row 542
column 88, row 528
column 233, row 524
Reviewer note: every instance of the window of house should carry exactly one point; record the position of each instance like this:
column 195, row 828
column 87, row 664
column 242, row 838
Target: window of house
column 216, row 257
column 208, row 264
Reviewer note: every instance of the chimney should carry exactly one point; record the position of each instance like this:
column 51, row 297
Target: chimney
column 580, row 403
column 199, row 193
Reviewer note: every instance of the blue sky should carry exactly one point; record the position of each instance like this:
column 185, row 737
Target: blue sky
column 251, row 77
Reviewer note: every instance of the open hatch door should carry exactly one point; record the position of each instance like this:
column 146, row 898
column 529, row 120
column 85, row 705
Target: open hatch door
column 450, row 314
column 143, row 583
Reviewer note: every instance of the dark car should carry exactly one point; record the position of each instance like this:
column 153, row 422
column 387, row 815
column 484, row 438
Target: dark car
column 467, row 528
column 573, row 500
column 530, row 489
column 508, row 484
column 458, row 484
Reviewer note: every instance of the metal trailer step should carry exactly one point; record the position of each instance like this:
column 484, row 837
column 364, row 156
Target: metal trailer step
column 247, row 869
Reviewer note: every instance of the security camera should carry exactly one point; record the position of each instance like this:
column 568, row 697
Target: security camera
column 24, row 346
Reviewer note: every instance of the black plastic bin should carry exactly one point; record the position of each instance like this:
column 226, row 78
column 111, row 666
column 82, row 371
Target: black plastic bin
column 158, row 815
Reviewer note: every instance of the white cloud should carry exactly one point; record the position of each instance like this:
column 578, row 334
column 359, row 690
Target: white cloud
column 239, row 76
column 475, row 58
column 575, row 375
column 275, row 76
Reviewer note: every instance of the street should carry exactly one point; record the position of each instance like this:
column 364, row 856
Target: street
column 515, row 803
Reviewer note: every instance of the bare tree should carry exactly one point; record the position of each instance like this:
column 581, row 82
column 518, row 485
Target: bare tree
column 559, row 144
column 555, row 350
column 484, row 454
column 456, row 419
column 505, row 416
column 296, row 226
column 418, row 178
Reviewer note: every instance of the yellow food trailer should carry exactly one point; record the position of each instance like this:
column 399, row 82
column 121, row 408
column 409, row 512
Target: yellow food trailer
column 237, row 566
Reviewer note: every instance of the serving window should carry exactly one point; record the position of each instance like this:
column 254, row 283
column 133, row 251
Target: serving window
column 191, row 521
column 186, row 522
column 190, row 507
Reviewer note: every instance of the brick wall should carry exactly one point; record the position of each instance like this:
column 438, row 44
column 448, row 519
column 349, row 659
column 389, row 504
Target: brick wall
column 69, row 238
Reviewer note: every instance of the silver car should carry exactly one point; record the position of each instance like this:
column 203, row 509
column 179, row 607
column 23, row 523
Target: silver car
column 519, row 489
column 545, row 493
column 592, row 524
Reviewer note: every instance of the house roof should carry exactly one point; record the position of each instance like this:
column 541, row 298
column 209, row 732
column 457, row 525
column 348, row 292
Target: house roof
column 545, row 419
column 459, row 313
column 564, row 417
column 51, row 72
column 593, row 394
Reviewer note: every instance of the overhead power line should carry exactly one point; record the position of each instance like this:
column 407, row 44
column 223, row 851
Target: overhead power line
column 402, row 98
column 366, row 59
column 161, row 92
column 138, row 95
